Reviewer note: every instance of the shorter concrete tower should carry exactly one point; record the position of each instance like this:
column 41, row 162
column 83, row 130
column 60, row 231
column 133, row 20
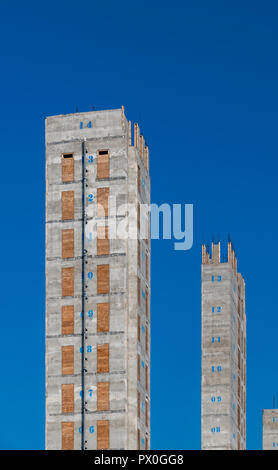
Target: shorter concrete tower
column 223, row 351
column 270, row 429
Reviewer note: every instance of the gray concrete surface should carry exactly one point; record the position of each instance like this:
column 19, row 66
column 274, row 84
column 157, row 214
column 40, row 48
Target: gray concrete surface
column 63, row 135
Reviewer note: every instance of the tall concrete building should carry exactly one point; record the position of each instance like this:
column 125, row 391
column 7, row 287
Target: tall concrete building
column 223, row 351
column 270, row 429
column 97, row 284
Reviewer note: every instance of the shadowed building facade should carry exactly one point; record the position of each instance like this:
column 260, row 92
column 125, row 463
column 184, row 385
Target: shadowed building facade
column 270, row 429
column 223, row 406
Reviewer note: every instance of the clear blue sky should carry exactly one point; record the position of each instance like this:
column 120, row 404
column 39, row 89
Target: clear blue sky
column 201, row 78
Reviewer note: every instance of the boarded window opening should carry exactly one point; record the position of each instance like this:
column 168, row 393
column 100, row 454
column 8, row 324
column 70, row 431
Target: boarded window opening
column 102, row 434
column 103, row 164
column 68, row 243
column 103, row 396
column 67, row 168
column 102, row 202
column 139, row 252
column 67, row 205
column 138, row 218
column 138, row 329
column 103, row 279
column 138, row 404
column 67, row 360
column 67, row 320
column 138, row 367
column 138, row 290
column 67, row 282
column 139, row 179
column 147, row 231
column 138, row 439
column 103, row 313
column 103, row 244
column 102, row 358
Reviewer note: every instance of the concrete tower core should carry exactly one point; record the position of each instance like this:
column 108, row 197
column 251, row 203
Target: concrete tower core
column 223, row 351
column 97, row 284
column 270, row 429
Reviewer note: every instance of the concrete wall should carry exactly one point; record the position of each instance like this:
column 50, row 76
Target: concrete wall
column 270, row 429
column 220, row 402
column 64, row 135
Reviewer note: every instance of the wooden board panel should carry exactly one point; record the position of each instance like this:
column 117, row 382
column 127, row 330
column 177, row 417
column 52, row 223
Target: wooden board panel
column 68, row 243
column 67, row 360
column 103, row 403
column 147, row 443
column 102, row 358
column 103, row 314
column 147, row 411
column 67, row 398
column 141, row 145
column 138, row 329
column 138, row 218
column 138, row 367
column 146, row 378
column 147, row 303
column 103, row 244
column 102, row 202
column 138, row 439
column 103, row 164
column 103, row 279
column 139, row 179
column 147, row 235
column 147, row 268
column 67, row 320
column 138, row 404
column 139, row 252
column 146, row 340
column 67, row 168
column 68, row 436
column 138, row 290
column 102, row 434
column 67, row 205
column 67, row 282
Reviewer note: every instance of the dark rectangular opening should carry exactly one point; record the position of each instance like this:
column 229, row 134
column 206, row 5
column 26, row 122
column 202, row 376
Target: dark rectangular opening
column 103, row 152
column 68, row 155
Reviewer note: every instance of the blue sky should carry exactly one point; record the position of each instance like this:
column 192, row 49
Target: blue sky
column 201, row 79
